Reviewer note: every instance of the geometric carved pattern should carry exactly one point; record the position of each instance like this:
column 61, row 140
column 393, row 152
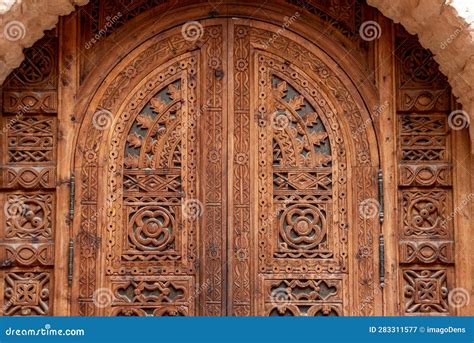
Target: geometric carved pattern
column 423, row 137
column 30, row 102
column 163, row 149
column 303, row 297
column 153, row 232
column 27, row 254
column 31, row 140
column 420, row 85
column 166, row 181
column 152, row 167
column 29, row 216
column 303, row 230
column 27, row 293
column 39, row 68
column 156, row 297
column 425, row 213
column 421, row 100
column 28, row 177
column 425, row 175
column 426, row 251
column 297, row 192
column 425, row 291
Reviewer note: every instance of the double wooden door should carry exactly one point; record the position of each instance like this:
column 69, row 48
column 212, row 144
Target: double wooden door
column 223, row 175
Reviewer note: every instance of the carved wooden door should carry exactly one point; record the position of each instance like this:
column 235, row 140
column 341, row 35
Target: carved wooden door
column 219, row 171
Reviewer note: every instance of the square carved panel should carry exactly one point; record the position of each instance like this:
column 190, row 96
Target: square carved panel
column 425, row 291
column 28, row 216
column 422, row 138
column 27, row 293
column 425, row 214
column 30, row 139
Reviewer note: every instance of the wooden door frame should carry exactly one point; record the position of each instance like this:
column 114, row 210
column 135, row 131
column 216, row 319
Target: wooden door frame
column 142, row 28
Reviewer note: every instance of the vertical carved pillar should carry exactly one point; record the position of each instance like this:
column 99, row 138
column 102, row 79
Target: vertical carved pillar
column 28, row 181
column 214, row 135
column 240, row 234
column 425, row 230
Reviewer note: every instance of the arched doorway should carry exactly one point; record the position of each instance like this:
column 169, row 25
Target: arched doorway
column 221, row 167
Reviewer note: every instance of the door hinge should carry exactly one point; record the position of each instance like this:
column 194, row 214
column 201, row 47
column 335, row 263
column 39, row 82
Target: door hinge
column 70, row 262
column 381, row 205
column 381, row 238
column 71, row 198
column 70, row 259
column 381, row 261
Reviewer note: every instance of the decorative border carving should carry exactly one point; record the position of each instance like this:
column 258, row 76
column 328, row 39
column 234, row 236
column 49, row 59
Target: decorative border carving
column 426, row 251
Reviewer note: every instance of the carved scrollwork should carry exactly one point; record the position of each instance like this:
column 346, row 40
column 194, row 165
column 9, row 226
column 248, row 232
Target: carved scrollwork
column 29, row 216
column 425, row 291
column 31, row 139
column 426, row 251
column 425, row 175
column 27, row 293
column 28, row 177
column 28, row 254
column 302, row 227
column 152, row 228
column 425, row 178
column 30, row 102
column 303, row 297
column 39, row 68
column 152, row 297
column 425, row 213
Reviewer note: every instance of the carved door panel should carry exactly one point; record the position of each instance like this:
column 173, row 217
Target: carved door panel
column 214, row 181
column 153, row 216
column 290, row 200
